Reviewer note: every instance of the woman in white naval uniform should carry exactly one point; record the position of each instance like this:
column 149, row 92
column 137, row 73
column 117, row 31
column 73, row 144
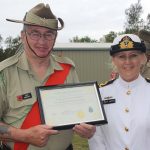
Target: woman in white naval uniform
column 126, row 100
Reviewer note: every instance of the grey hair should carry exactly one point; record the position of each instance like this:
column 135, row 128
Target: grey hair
column 25, row 26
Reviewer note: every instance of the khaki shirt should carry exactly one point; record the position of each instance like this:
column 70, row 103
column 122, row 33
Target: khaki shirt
column 16, row 79
column 145, row 72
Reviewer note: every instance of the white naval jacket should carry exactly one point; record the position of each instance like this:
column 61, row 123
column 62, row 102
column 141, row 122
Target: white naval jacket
column 128, row 117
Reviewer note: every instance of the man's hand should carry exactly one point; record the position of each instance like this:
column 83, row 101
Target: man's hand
column 37, row 135
column 85, row 130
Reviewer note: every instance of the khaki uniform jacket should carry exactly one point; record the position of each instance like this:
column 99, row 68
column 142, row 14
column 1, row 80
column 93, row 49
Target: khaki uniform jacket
column 17, row 79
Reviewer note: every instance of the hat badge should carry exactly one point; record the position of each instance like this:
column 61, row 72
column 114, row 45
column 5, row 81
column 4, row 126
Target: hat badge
column 126, row 43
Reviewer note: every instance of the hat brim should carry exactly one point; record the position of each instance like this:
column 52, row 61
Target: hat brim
column 16, row 21
column 23, row 22
column 29, row 23
column 144, row 35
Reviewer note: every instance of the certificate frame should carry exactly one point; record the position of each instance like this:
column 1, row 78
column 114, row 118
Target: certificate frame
column 63, row 106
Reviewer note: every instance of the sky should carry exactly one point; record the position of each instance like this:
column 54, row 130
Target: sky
column 93, row 18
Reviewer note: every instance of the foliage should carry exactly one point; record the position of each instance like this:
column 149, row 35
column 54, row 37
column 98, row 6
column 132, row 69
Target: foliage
column 84, row 39
column 1, row 39
column 133, row 24
column 147, row 26
column 80, row 143
column 134, row 21
column 2, row 56
column 110, row 36
column 12, row 45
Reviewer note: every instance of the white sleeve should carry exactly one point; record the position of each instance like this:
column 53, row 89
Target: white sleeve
column 97, row 141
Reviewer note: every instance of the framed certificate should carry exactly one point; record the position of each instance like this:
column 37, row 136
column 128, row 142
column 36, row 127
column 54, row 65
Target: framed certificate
column 63, row 106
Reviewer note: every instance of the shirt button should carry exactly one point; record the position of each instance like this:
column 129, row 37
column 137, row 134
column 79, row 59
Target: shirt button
column 126, row 129
column 128, row 92
column 126, row 110
column 126, row 148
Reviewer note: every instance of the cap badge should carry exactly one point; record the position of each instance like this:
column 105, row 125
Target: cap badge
column 126, row 42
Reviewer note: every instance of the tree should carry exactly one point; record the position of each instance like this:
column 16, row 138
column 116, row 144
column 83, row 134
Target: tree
column 12, row 45
column 147, row 26
column 134, row 21
column 84, row 39
column 1, row 39
column 110, row 36
column 1, row 49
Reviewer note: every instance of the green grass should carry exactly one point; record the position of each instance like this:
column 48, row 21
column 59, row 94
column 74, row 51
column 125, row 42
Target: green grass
column 80, row 143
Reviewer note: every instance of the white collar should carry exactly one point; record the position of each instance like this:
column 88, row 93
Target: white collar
column 131, row 84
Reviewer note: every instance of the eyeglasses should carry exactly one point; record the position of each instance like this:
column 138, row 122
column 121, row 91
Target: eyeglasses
column 37, row 35
column 131, row 57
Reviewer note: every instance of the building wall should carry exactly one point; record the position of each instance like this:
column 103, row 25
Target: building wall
column 91, row 65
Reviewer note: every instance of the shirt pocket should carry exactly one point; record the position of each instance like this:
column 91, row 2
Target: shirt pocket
column 18, row 109
column 21, row 100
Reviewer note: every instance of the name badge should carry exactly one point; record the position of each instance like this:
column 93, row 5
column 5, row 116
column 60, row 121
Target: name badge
column 109, row 101
column 24, row 96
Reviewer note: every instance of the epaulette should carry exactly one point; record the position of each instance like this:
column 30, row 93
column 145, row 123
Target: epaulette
column 106, row 83
column 8, row 62
column 148, row 80
column 62, row 59
column 11, row 60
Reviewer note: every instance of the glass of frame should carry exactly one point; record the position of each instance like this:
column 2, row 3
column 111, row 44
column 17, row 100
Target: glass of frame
column 63, row 106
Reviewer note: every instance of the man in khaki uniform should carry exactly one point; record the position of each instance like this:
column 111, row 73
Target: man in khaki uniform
column 32, row 66
column 145, row 36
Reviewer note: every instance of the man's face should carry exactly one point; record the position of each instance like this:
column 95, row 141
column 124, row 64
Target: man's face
column 40, row 40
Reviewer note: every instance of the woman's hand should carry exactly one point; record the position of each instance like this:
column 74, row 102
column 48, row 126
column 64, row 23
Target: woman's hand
column 85, row 130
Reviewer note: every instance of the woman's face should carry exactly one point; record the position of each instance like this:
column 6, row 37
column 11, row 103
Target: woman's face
column 128, row 64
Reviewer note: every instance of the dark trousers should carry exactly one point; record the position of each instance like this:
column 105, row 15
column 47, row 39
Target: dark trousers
column 70, row 147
